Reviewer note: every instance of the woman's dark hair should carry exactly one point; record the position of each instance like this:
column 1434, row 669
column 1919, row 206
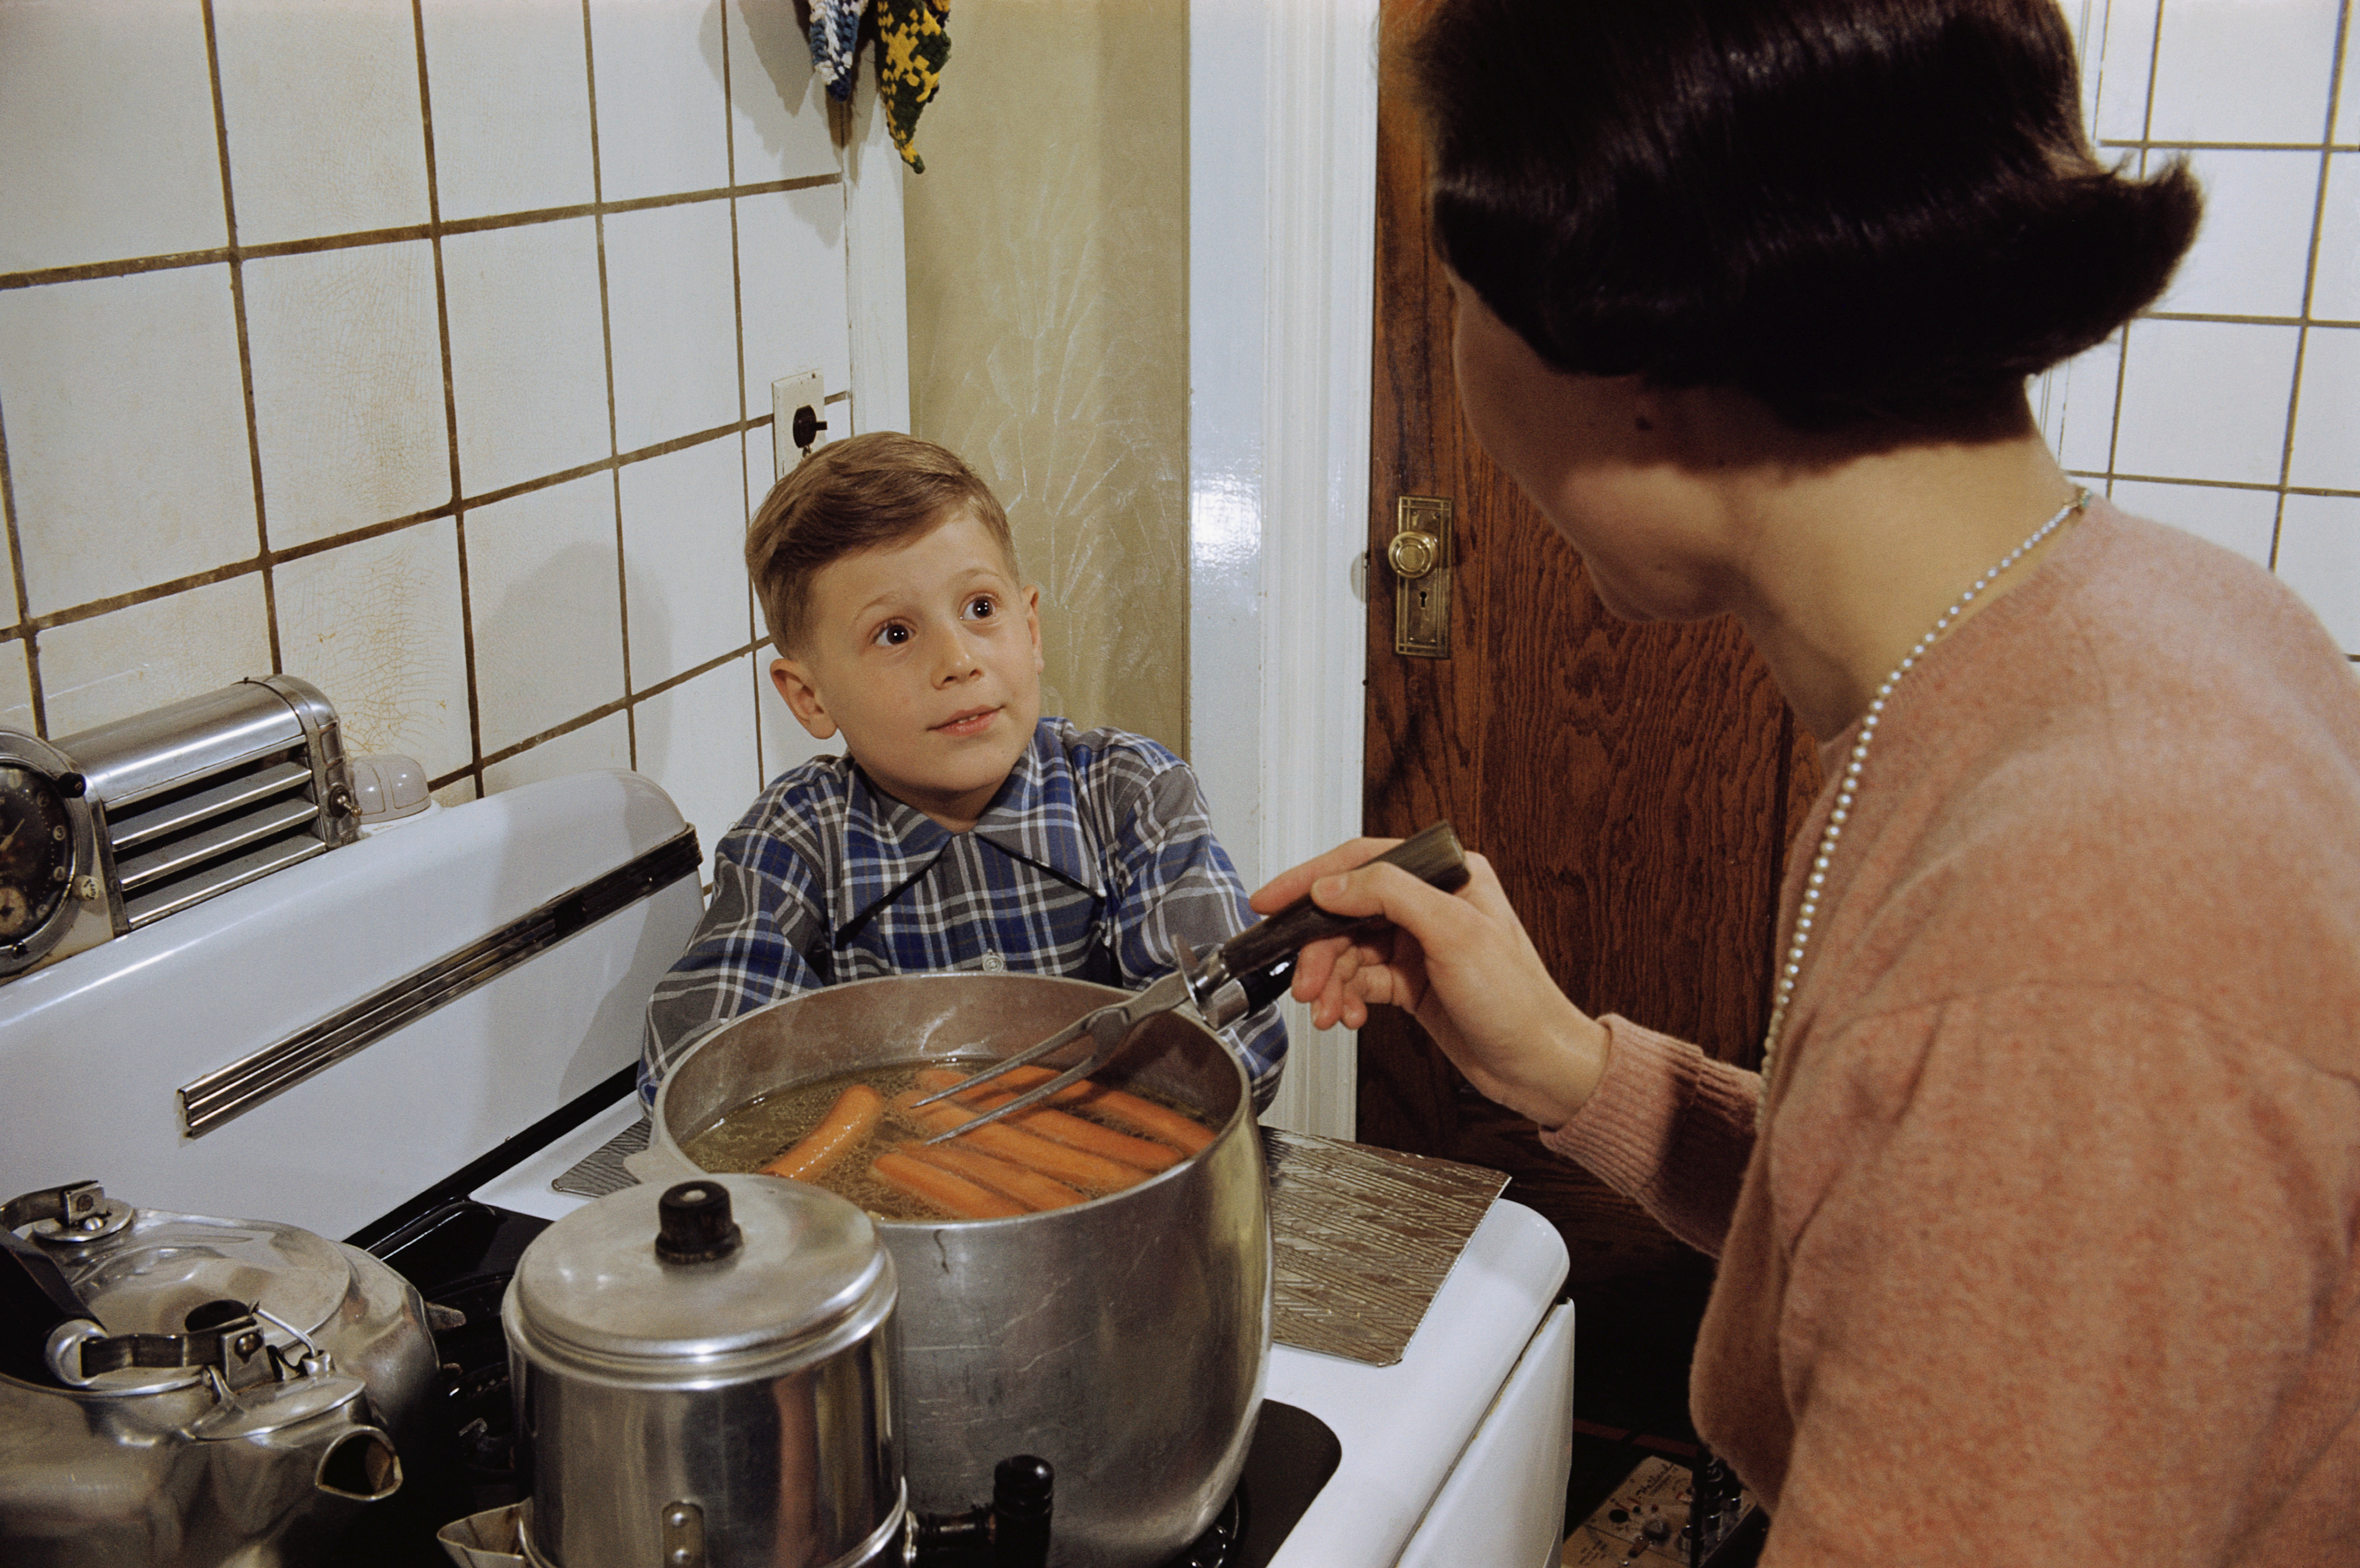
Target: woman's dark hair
column 1861, row 212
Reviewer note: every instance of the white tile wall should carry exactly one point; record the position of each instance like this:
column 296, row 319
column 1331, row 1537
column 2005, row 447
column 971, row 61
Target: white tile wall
column 125, row 423
column 671, row 301
column 2242, row 520
column 778, row 122
column 2347, row 104
column 326, row 135
column 790, row 244
column 693, row 740
column 367, row 434
column 377, row 624
column 684, row 559
column 662, row 104
column 2336, row 295
column 542, row 590
column 2233, row 409
column 94, row 101
column 2319, row 555
column 528, row 360
column 2254, row 252
column 159, row 651
column 2206, row 400
column 2118, row 54
column 512, row 132
column 2327, row 428
column 2239, row 71
column 15, row 691
column 603, row 743
column 347, row 356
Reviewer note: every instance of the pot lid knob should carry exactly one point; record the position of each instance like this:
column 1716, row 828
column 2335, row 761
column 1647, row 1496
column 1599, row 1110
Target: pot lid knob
column 692, row 1224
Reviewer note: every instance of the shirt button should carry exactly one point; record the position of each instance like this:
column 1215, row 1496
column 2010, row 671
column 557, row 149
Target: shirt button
column 992, row 963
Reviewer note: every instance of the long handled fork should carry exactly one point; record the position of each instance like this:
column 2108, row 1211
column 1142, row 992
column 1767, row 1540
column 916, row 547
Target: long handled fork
column 1249, row 971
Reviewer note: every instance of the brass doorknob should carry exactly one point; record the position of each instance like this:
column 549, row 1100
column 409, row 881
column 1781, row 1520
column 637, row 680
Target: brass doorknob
column 1412, row 554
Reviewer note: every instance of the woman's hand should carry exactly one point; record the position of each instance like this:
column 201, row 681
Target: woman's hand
column 1460, row 962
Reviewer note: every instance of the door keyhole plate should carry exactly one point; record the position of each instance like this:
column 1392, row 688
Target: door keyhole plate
column 1419, row 554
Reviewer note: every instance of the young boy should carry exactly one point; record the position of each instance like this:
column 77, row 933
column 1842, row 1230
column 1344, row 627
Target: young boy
column 961, row 830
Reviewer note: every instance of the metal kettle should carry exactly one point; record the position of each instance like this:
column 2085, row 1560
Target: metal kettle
column 180, row 1391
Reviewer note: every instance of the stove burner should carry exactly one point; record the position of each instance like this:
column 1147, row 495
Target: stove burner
column 1219, row 1546
column 460, row 1255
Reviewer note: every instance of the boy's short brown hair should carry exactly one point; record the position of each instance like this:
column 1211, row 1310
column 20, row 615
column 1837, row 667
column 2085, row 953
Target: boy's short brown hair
column 865, row 491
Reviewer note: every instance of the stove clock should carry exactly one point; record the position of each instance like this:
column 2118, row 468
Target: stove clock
column 51, row 902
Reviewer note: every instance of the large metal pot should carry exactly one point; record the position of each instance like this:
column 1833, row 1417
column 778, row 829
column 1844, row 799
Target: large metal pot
column 1123, row 1340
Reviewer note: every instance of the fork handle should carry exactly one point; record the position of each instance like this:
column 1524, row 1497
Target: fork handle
column 1433, row 856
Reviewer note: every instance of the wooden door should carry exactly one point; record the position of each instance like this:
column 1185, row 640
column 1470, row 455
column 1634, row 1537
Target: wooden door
column 1635, row 786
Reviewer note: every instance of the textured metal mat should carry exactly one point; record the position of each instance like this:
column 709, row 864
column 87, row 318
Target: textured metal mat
column 1363, row 1238
column 601, row 1171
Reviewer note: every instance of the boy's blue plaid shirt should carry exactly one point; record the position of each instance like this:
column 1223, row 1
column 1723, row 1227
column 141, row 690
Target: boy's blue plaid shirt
column 1095, row 858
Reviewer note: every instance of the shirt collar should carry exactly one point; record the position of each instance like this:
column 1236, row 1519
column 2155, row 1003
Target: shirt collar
column 1036, row 817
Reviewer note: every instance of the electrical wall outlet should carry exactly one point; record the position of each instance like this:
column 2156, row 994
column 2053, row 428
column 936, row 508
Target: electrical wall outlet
column 789, row 394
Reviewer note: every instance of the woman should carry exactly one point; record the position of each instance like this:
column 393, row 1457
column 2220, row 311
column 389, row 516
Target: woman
column 2035, row 1233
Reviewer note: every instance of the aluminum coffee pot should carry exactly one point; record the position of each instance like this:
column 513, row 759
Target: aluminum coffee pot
column 702, row 1376
column 180, row 1391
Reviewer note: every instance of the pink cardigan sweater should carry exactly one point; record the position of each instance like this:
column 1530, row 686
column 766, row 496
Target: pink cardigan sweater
column 2047, row 1252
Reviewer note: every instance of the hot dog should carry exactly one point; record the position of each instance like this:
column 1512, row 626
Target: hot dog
column 1030, row 1188
column 953, row 1195
column 1074, row 1167
column 1075, row 1133
column 1127, row 1110
column 845, row 1126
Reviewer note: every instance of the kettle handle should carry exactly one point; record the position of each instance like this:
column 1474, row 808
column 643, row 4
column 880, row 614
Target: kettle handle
column 35, row 1302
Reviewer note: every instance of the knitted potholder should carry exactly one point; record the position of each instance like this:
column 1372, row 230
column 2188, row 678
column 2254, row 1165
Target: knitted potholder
column 912, row 45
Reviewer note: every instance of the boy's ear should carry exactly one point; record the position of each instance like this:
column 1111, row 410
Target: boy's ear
column 792, row 679
column 1032, row 624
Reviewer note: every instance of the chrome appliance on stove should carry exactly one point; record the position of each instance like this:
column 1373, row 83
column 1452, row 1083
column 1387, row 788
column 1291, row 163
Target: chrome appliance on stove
column 409, row 1042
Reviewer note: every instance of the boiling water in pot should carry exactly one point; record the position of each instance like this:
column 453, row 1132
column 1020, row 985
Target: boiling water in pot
column 752, row 1134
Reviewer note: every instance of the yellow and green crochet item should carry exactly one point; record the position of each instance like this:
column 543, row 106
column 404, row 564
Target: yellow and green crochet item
column 912, row 45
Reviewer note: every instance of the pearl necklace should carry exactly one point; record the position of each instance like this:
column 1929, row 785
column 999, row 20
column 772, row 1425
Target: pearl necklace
column 1850, row 787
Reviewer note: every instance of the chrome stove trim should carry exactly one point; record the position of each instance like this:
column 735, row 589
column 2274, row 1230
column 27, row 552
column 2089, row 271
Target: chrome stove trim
column 230, row 1091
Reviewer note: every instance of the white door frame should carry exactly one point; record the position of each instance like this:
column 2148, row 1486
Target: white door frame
column 1281, row 221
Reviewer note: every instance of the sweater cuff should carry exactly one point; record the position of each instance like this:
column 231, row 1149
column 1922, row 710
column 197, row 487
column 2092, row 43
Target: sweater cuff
column 1623, row 1131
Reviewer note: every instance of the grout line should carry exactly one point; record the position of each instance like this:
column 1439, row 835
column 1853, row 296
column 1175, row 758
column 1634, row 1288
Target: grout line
column 557, row 732
column 2310, row 278
column 609, row 710
column 450, row 401
column 607, row 336
column 2123, row 360
column 17, row 568
column 135, row 597
column 738, row 297
column 358, row 535
column 85, row 271
column 2222, row 319
column 131, row 266
column 245, row 347
column 2143, row 144
column 2188, row 482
